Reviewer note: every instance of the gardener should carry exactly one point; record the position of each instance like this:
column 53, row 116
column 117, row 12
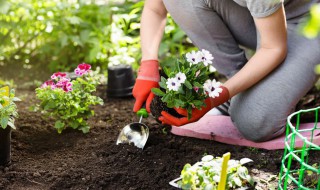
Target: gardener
column 263, row 90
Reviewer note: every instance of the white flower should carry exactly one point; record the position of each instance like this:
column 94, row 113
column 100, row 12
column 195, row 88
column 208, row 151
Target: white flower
column 207, row 158
column 193, row 57
column 216, row 178
column 181, row 77
column 206, row 57
column 212, row 88
column 173, row 84
column 212, row 69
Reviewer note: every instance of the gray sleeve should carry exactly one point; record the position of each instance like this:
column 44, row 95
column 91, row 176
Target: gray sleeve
column 263, row 8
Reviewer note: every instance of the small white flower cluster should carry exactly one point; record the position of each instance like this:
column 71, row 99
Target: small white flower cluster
column 209, row 170
column 175, row 83
column 193, row 58
column 203, row 56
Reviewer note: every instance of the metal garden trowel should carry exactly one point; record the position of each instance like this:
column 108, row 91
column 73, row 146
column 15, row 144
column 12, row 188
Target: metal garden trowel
column 136, row 133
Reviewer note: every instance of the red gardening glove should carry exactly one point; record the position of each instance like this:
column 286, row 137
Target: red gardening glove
column 148, row 78
column 166, row 118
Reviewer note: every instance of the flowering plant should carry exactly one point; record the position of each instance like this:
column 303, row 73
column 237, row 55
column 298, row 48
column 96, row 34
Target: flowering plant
column 8, row 108
column 68, row 101
column 206, row 174
column 188, row 83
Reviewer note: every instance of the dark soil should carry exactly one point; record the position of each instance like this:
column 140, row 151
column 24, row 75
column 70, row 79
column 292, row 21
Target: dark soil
column 44, row 159
column 157, row 106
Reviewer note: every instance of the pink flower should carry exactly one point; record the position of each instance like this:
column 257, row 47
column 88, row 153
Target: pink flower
column 62, row 82
column 58, row 75
column 84, row 66
column 67, row 87
column 82, row 69
column 47, row 83
column 53, row 87
column 78, row 72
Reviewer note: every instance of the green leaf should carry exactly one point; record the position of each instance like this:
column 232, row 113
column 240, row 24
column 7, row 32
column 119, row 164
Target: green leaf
column 157, row 92
column 165, row 98
column 85, row 129
column 63, row 40
column 178, row 103
column 84, row 35
column 178, row 36
column 196, row 84
column 59, row 126
column 198, row 103
column 162, row 83
column 312, row 28
column 93, row 53
column 74, row 125
column 11, row 124
column 15, row 99
column 188, row 84
column 317, row 69
column 189, row 110
column 4, row 122
column 4, row 7
column 74, row 20
column 49, row 105
column 167, row 71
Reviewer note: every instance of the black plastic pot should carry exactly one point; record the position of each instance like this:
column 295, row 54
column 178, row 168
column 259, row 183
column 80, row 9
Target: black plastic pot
column 5, row 145
column 120, row 81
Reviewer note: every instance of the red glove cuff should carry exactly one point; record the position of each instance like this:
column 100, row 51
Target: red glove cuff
column 223, row 97
column 149, row 70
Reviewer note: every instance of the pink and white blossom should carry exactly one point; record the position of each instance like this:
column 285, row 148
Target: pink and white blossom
column 84, row 66
column 67, row 87
column 53, row 87
column 47, row 83
column 82, row 69
column 58, row 75
column 64, row 84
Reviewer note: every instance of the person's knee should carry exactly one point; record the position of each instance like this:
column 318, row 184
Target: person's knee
column 258, row 126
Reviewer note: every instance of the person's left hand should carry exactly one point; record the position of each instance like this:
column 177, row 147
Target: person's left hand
column 168, row 119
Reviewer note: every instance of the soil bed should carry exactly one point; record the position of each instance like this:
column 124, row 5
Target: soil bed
column 44, row 159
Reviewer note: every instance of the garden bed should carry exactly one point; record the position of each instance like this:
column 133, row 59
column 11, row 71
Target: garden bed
column 44, row 159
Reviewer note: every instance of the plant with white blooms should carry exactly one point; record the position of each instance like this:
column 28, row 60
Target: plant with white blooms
column 187, row 84
column 206, row 174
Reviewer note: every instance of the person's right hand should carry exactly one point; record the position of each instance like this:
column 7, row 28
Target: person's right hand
column 148, row 78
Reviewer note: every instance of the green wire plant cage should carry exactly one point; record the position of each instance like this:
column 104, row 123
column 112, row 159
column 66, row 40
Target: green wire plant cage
column 300, row 146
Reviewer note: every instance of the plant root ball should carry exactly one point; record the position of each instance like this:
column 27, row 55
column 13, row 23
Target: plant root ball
column 157, row 106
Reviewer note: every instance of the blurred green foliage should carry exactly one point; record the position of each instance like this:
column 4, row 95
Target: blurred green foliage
column 9, row 83
column 58, row 35
column 312, row 27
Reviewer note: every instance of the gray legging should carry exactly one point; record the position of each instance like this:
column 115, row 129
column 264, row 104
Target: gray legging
column 221, row 26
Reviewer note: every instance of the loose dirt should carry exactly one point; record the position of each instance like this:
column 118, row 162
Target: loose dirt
column 44, row 159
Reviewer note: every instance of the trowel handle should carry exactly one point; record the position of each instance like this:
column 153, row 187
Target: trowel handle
column 143, row 113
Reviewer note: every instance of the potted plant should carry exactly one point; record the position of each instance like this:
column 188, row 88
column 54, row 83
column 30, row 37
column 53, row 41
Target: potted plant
column 8, row 113
column 206, row 174
column 186, row 85
column 69, row 101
